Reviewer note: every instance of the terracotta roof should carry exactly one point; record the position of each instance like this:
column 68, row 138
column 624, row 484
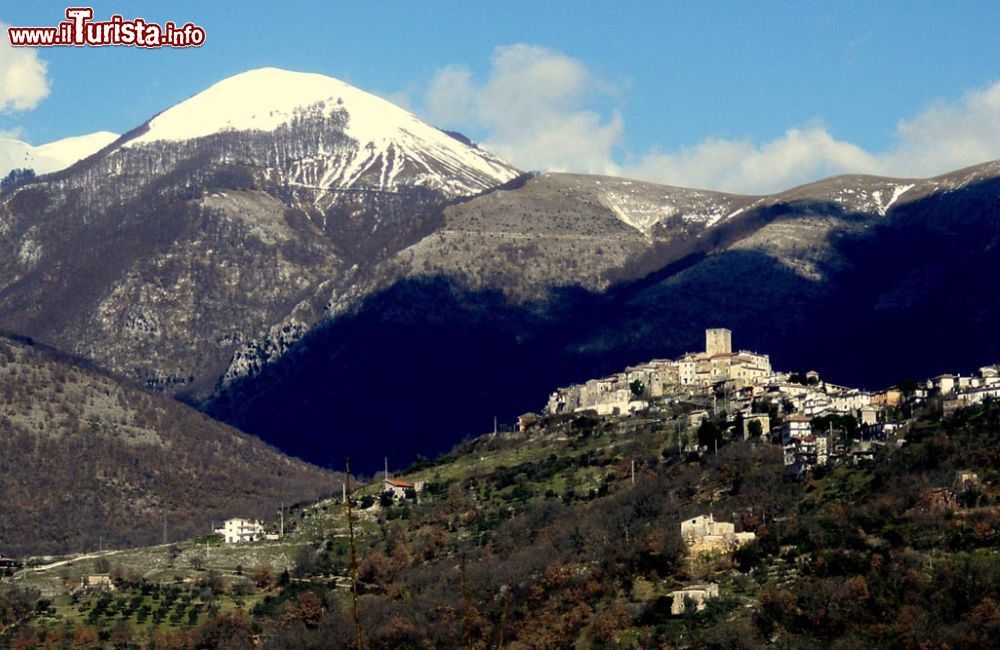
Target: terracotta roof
column 400, row 484
column 797, row 418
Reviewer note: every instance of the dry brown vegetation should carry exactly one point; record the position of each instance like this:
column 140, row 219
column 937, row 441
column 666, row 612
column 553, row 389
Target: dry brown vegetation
column 84, row 456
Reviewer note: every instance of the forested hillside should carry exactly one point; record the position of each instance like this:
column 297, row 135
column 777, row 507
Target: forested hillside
column 86, row 460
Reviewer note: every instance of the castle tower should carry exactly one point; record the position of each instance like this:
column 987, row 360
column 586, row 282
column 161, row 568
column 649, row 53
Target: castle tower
column 718, row 341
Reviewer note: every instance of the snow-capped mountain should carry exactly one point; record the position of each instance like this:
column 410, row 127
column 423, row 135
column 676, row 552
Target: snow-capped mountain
column 212, row 220
column 353, row 140
column 53, row 156
column 286, row 251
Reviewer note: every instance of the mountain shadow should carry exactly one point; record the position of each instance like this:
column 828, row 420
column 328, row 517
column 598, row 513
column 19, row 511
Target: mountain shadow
column 427, row 362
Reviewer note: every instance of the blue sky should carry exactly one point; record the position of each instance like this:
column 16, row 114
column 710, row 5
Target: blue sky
column 736, row 96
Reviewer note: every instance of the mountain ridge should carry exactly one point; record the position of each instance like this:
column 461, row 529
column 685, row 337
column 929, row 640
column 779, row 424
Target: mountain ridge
column 193, row 266
column 52, row 156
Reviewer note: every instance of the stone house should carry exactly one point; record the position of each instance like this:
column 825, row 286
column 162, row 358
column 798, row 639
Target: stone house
column 399, row 489
column 703, row 534
column 527, row 421
column 890, row 397
column 696, row 594
column 868, row 415
column 695, row 418
column 761, row 418
column 98, row 581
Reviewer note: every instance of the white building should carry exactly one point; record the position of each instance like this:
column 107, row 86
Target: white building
column 945, row 383
column 869, row 415
column 687, row 367
column 399, row 489
column 849, row 401
column 796, row 426
column 979, row 395
column 806, row 452
column 238, row 530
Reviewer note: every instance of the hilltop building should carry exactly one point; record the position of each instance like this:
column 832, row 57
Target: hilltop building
column 399, row 488
column 703, row 534
column 631, row 390
column 741, row 389
column 718, row 340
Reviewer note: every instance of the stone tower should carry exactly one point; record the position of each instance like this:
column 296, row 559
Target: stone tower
column 718, row 341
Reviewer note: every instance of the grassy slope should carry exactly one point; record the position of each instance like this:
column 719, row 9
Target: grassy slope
column 560, row 547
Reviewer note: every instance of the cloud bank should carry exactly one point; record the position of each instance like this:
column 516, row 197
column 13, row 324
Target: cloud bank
column 534, row 107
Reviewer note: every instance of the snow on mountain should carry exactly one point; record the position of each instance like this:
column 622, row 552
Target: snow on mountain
column 53, row 156
column 391, row 146
column 644, row 206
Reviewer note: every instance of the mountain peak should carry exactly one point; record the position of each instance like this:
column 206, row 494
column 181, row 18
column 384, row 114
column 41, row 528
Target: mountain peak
column 264, row 99
column 385, row 135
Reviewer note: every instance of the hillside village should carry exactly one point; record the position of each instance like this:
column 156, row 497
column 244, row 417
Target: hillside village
column 627, row 529
column 816, row 422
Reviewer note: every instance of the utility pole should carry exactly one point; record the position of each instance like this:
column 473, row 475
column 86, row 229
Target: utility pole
column 281, row 516
column 494, row 426
column 354, row 564
column 343, row 491
column 387, row 468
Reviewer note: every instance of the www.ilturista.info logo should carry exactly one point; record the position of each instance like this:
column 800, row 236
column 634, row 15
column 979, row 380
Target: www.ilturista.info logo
column 79, row 29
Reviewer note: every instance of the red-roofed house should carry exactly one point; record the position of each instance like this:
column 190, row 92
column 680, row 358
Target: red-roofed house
column 400, row 488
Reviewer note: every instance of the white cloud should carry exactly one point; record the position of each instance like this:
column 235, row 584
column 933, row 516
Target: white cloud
column 533, row 106
column 942, row 138
column 450, row 97
column 799, row 156
column 23, row 82
column 949, row 135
